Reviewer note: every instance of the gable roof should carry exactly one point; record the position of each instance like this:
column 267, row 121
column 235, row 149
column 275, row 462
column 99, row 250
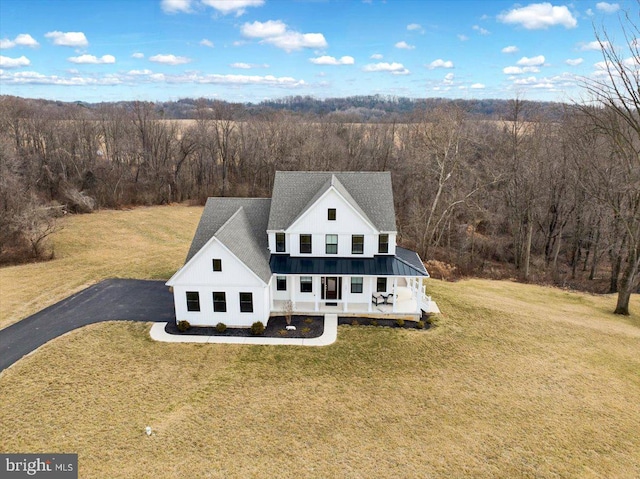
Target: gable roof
column 240, row 224
column 370, row 193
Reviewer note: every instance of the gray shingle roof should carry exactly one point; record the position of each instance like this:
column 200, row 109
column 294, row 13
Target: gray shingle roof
column 241, row 225
column 370, row 193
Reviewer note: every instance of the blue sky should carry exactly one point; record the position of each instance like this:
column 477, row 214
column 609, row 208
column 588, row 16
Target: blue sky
column 250, row 50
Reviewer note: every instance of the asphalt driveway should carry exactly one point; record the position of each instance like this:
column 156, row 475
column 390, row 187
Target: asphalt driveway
column 113, row 299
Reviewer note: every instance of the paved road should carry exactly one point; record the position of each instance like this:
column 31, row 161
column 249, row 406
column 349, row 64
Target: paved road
column 113, row 299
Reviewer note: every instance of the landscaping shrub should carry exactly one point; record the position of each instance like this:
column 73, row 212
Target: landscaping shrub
column 257, row 328
column 374, row 322
column 183, row 326
column 221, row 327
column 306, row 330
column 354, row 322
column 420, row 325
column 400, row 322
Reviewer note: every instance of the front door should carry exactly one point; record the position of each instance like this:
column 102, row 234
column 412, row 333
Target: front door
column 331, row 288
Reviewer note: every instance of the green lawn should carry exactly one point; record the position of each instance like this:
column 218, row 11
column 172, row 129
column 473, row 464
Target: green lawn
column 514, row 381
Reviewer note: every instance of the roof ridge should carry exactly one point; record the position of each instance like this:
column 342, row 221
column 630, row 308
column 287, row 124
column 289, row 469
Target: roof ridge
column 229, row 220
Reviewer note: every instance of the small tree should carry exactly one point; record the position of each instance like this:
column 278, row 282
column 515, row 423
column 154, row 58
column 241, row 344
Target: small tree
column 288, row 311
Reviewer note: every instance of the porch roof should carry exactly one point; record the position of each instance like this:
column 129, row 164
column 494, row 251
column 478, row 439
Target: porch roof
column 382, row 265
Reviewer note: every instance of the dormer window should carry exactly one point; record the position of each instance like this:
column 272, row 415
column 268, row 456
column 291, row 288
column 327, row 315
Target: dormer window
column 331, row 214
column 383, row 244
column 280, row 244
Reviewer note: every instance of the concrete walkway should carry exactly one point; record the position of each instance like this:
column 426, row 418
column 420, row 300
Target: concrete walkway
column 328, row 337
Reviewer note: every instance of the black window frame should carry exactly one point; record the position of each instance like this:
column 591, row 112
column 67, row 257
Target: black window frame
column 353, row 244
column 216, row 262
column 303, row 284
column 280, row 280
column 331, row 214
column 246, row 305
column 379, row 284
column 219, row 305
column 360, row 284
column 310, row 244
column 327, row 244
column 281, row 246
column 193, row 303
column 381, row 243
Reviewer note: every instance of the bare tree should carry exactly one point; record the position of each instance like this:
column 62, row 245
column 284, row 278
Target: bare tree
column 614, row 112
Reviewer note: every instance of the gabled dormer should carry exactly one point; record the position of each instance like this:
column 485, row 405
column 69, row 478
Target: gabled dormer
column 325, row 214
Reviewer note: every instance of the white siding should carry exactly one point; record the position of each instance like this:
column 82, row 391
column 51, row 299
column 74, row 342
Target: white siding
column 235, row 277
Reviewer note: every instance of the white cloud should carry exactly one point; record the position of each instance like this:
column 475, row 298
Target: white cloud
column 574, row 61
column 327, row 60
column 206, row 43
column 233, row 6
column 531, row 62
column 477, row 86
column 448, row 78
column 440, row 63
column 607, row 7
column 463, row 38
column 376, row 56
column 137, row 77
column 92, row 59
column 594, row 45
column 404, row 46
column 538, row 16
column 394, row 68
column 68, row 39
column 169, row 59
column 278, row 34
column 138, row 55
column 23, row 40
column 520, row 70
column 590, row 12
column 414, row 26
column 175, row 6
column 247, row 66
column 480, row 30
column 7, row 62
column 510, row 49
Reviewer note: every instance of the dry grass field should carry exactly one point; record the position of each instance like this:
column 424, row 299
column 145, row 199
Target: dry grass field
column 144, row 243
column 514, row 381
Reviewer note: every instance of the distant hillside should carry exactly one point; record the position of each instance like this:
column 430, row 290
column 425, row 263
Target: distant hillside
column 371, row 108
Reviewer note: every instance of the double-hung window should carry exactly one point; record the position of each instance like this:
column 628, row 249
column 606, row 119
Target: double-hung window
column 305, row 243
column 193, row 301
column 281, row 283
column 246, row 302
column 332, row 244
column 219, row 302
column 383, row 244
column 356, row 284
column 357, row 244
column 280, row 244
column 306, row 285
column 381, row 285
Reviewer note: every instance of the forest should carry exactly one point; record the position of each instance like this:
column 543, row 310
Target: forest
column 538, row 192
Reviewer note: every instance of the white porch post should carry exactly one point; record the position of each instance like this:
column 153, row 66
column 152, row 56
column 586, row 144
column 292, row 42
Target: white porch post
column 271, row 293
column 370, row 293
column 294, row 285
column 395, row 292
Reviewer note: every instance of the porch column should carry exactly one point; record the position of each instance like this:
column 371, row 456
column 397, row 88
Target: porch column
column 294, row 285
column 395, row 292
column 317, row 307
column 369, row 293
column 271, row 293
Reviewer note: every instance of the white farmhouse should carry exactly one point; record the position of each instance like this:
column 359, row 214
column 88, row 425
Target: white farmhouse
column 325, row 241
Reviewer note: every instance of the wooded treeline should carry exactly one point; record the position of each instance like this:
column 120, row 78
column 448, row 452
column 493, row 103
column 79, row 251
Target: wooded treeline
column 549, row 198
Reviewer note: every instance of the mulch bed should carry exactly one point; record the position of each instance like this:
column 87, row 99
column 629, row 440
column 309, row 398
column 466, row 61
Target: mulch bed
column 389, row 323
column 306, row 327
